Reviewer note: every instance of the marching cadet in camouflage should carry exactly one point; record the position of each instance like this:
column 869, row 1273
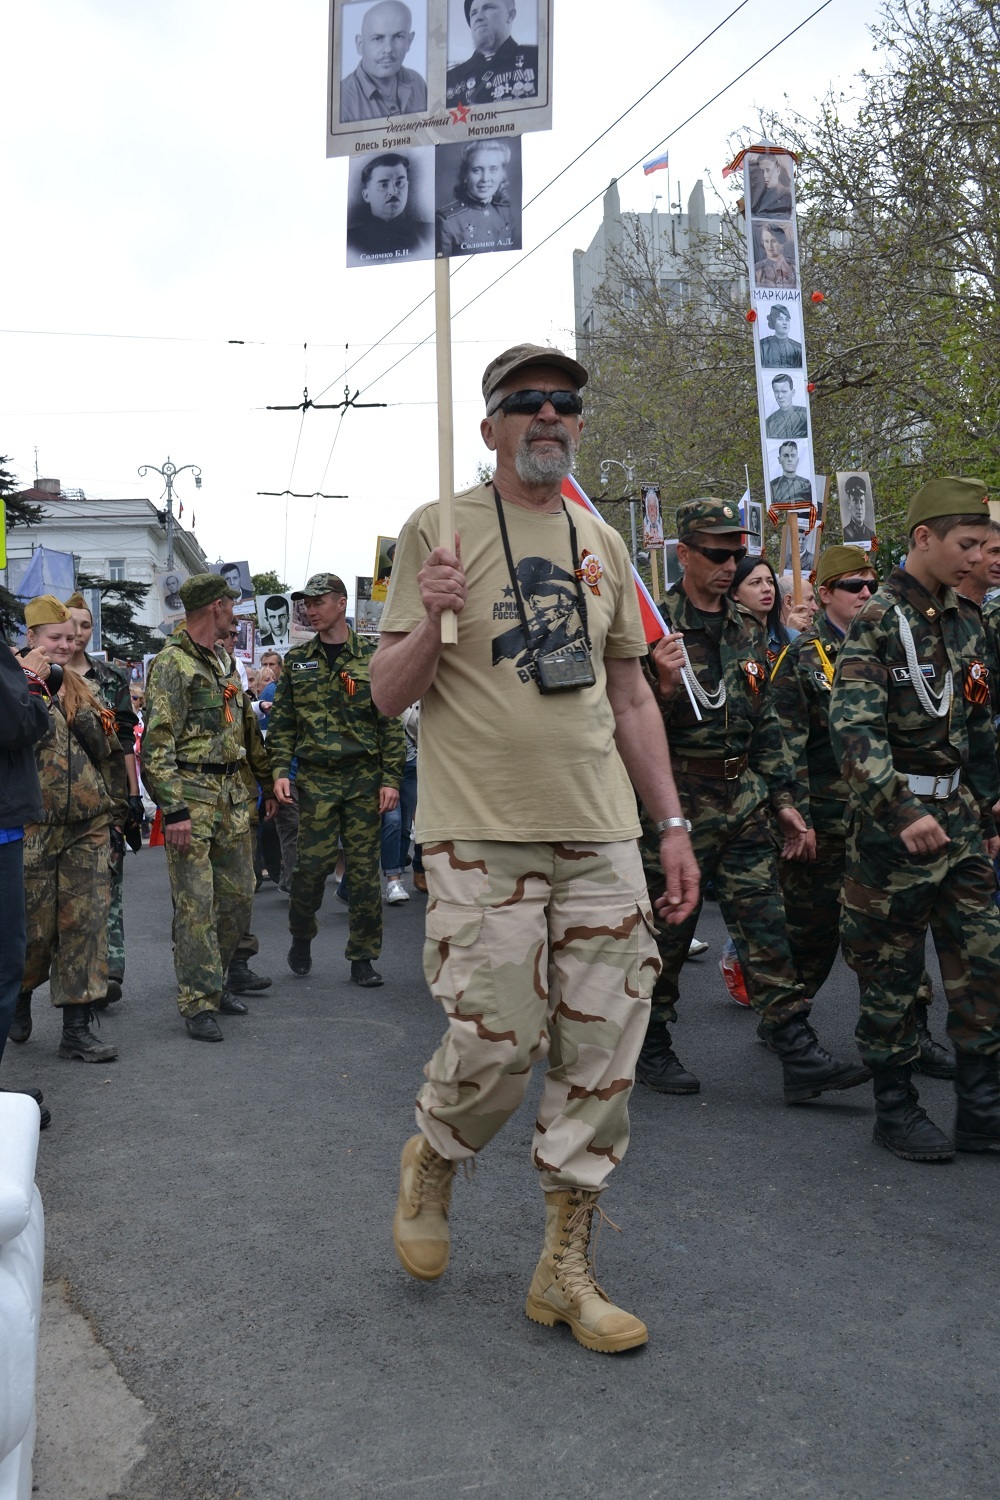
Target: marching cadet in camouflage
column 199, row 732
column 67, row 886
column 810, row 885
column 731, row 767
column 910, row 718
column 111, row 687
column 539, row 930
column 350, row 763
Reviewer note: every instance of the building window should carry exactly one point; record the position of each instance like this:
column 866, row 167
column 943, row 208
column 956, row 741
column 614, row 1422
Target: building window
column 116, row 569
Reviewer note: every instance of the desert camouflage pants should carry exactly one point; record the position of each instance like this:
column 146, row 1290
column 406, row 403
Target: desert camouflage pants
column 116, row 917
column 66, row 894
column 731, row 837
column 890, row 900
column 212, row 888
column 339, row 809
column 537, row 950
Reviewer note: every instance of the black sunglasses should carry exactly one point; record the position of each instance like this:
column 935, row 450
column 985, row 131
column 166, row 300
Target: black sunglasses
column 854, row 585
column 719, row 554
column 530, row 403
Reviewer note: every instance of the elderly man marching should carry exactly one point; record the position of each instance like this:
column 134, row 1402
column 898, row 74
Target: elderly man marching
column 200, row 730
column 539, row 934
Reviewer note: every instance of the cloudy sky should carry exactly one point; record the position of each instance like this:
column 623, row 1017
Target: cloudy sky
column 166, row 191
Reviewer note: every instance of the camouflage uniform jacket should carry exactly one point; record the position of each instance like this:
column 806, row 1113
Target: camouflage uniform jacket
column 881, row 732
column 196, row 712
column 747, row 723
column 801, row 691
column 327, row 720
column 81, row 769
column 111, row 685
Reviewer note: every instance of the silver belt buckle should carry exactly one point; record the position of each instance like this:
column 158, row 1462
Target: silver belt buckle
column 732, row 762
column 944, row 786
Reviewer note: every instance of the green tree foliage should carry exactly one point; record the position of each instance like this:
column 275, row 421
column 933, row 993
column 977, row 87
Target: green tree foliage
column 267, row 583
column 19, row 512
column 121, row 636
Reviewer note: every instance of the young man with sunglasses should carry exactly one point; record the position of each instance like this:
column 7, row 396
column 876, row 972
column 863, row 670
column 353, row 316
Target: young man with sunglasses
column 811, row 883
column 731, row 767
column 912, row 727
column 539, row 929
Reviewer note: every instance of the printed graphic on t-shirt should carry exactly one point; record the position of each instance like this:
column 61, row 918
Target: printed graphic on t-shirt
column 552, row 611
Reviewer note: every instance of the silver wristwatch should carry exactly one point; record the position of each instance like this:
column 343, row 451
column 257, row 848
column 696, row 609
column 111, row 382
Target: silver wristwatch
column 666, row 823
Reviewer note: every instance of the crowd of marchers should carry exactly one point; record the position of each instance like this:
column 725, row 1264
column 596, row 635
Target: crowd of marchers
column 828, row 769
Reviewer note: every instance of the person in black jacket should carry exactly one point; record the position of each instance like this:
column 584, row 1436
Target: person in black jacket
column 24, row 719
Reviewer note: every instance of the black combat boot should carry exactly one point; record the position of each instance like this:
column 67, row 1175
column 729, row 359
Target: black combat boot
column 935, row 1061
column 300, row 956
column 77, row 1038
column 241, row 979
column 362, row 973
column 901, row 1125
column 20, row 1023
column 807, row 1067
column 659, row 1067
column 977, row 1084
column 231, row 1006
column 112, row 997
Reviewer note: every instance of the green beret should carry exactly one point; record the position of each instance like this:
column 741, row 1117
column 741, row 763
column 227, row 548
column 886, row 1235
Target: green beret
column 45, row 609
column 948, row 497
column 834, row 562
column 320, row 584
column 203, row 589
column 708, row 514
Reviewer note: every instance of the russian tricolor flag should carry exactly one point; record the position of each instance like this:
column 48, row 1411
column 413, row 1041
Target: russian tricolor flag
column 658, row 164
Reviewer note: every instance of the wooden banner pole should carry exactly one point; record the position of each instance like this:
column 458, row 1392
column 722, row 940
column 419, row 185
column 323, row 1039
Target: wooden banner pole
column 446, row 443
column 655, row 574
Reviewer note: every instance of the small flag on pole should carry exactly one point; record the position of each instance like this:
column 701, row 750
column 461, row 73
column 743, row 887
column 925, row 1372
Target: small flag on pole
column 658, row 164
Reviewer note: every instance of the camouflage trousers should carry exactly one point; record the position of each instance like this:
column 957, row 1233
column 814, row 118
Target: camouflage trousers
column 339, row 809
column 212, row 888
column 66, row 894
column 731, row 837
column 537, row 950
column 890, row 899
column 116, row 917
column 811, row 895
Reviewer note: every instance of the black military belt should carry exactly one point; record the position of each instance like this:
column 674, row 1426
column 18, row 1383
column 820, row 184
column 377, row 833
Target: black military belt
column 699, row 765
column 211, row 767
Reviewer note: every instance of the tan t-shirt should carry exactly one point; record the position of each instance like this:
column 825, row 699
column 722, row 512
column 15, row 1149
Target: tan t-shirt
column 498, row 759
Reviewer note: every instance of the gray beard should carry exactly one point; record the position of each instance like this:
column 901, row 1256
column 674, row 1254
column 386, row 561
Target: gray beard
column 535, row 468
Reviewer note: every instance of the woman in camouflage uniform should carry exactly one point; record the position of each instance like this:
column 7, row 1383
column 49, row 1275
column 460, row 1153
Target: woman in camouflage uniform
column 67, row 891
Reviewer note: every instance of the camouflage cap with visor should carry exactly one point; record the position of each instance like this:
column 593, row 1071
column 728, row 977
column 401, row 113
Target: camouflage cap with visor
column 948, row 497
column 521, row 357
column 708, row 515
column 320, row 584
column 203, row 589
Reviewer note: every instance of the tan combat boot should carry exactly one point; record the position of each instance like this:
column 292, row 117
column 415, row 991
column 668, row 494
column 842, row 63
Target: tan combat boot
column 563, row 1289
column 420, row 1228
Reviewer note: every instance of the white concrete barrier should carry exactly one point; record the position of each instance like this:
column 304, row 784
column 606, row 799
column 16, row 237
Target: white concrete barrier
column 22, row 1256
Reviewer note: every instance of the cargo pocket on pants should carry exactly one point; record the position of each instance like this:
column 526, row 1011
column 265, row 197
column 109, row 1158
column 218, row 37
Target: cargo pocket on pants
column 647, row 965
column 449, row 964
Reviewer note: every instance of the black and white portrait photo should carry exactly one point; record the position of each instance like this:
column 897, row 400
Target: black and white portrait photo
column 274, row 616
column 789, row 473
column 774, row 253
column 493, row 54
column 168, row 586
column 857, row 508
column 383, row 60
column 755, row 528
column 808, row 539
column 780, row 334
column 390, row 207
column 652, row 520
column 784, row 416
column 479, row 197
column 771, row 185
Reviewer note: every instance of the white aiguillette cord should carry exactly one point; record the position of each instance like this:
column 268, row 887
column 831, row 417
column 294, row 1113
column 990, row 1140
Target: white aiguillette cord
column 936, row 705
column 708, row 700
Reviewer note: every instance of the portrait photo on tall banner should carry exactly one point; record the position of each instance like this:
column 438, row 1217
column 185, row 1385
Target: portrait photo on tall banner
column 809, row 541
column 493, row 53
column 652, row 520
column 785, row 411
column 385, row 556
column 857, row 508
column 242, row 647
column 390, row 207
column 789, row 474
column 755, row 529
column 779, row 335
column 274, row 618
column 383, row 60
column 478, row 197
column 168, row 589
column 774, row 253
column 367, row 611
column 300, row 630
column 237, row 575
column 771, row 185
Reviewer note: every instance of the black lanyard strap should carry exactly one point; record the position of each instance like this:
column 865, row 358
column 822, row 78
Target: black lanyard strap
column 581, row 601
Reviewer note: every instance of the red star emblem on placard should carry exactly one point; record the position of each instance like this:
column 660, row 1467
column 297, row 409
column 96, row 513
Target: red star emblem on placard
column 460, row 114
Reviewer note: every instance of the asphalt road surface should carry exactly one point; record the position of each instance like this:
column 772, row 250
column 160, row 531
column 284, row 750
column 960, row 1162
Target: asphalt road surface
column 823, row 1317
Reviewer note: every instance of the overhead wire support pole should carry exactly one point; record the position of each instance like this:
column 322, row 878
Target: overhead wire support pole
column 169, row 473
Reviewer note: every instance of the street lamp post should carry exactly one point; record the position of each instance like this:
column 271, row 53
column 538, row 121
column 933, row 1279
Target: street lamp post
column 169, row 473
column 628, row 469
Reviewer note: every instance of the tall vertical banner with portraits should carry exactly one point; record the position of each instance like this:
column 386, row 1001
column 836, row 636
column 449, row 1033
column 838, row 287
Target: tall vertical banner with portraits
column 779, row 348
